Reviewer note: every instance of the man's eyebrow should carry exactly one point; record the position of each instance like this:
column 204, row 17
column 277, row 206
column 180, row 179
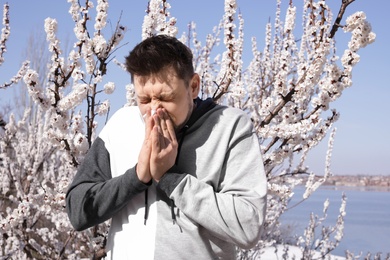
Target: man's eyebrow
column 167, row 94
column 163, row 95
column 142, row 97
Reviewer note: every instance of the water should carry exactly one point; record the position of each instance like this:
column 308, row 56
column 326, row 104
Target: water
column 367, row 223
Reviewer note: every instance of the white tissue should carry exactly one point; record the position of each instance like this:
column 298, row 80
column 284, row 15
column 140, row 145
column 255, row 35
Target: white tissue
column 152, row 112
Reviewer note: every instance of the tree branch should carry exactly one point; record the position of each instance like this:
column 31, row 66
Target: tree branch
column 336, row 25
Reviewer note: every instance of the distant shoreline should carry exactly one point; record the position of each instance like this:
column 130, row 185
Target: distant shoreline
column 364, row 182
column 358, row 181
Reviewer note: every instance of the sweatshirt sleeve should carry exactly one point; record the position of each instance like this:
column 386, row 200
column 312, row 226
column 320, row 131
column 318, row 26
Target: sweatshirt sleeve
column 94, row 196
column 235, row 211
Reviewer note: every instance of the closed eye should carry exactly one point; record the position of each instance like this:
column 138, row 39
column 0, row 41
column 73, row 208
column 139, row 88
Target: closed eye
column 144, row 100
column 166, row 97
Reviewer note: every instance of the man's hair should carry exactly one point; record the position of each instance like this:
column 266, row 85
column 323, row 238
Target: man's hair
column 157, row 53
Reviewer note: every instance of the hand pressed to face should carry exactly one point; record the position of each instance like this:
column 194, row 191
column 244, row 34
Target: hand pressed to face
column 159, row 150
column 164, row 145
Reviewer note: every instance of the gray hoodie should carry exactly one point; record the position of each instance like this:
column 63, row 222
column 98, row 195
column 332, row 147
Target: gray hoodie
column 211, row 201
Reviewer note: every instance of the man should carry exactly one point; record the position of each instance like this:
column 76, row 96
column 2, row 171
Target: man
column 180, row 177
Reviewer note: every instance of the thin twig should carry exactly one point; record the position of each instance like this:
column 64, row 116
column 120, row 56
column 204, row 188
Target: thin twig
column 337, row 22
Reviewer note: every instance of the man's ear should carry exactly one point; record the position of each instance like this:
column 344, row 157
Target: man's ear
column 195, row 85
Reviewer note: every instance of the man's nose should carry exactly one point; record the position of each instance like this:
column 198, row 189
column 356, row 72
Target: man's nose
column 155, row 104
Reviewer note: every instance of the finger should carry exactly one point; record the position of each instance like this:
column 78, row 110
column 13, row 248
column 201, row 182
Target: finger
column 156, row 119
column 163, row 125
column 149, row 123
column 156, row 140
column 148, row 139
column 169, row 126
column 166, row 138
column 149, row 127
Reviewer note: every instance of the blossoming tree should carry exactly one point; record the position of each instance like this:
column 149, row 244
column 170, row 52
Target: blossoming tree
column 287, row 89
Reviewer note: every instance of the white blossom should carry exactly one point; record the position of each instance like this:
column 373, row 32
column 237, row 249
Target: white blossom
column 74, row 9
column 101, row 16
column 50, row 28
column 99, row 45
column 22, row 71
column 130, row 95
column 103, row 108
column 109, row 88
column 290, row 19
column 75, row 97
column 155, row 21
column 81, row 143
column 5, row 32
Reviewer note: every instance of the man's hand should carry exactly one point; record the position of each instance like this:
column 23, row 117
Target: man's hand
column 164, row 145
column 143, row 166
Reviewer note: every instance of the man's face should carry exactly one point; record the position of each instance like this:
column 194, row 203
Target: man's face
column 167, row 91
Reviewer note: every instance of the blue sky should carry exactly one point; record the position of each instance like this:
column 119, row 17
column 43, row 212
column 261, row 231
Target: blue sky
column 362, row 140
